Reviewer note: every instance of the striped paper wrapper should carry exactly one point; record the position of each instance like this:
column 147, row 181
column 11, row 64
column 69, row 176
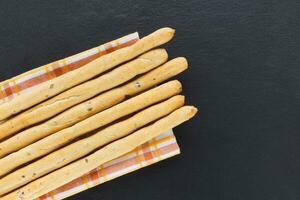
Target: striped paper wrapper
column 155, row 150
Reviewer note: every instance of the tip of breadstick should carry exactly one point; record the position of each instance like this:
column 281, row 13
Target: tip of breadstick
column 162, row 51
column 166, row 32
column 180, row 99
column 182, row 61
column 156, row 55
column 168, row 29
column 176, row 84
column 191, row 111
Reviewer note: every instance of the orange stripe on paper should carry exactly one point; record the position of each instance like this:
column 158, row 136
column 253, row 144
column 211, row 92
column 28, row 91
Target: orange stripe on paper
column 45, row 196
column 82, row 62
column 102, row 172
column 16, row 88
column 1, row 94
column 33, row 81
column 52, row 195
column 59, row 70
column 147, row 154
column 94, row 175
column 126, row 44
column 86, row 180
column 156, row 152
column 139, row 158
column 121, row 165
column 168, row 149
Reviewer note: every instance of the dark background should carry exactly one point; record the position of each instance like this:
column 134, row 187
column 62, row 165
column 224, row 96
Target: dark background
column 244, row 76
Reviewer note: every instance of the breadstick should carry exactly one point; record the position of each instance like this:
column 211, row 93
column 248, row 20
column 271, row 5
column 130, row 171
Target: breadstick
column 84, row 91
column 112, row 151
column 93, row 106
column 85, row 146
column 58, row 139
column 90, row 70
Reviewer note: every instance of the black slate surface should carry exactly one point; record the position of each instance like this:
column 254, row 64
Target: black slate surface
column 244, row 77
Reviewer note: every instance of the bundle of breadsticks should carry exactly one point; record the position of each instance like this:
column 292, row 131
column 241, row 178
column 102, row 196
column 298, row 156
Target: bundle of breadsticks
column 69, row 125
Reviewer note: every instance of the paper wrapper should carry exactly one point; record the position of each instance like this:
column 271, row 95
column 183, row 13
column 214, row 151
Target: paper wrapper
column 160, row 148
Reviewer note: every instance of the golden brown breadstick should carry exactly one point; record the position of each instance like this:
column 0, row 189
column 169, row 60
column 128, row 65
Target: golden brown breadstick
column 112, row 151
column 85, row 146
column 58, row 139
column 93, row 106
column 84, row 91
column 92, row 69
